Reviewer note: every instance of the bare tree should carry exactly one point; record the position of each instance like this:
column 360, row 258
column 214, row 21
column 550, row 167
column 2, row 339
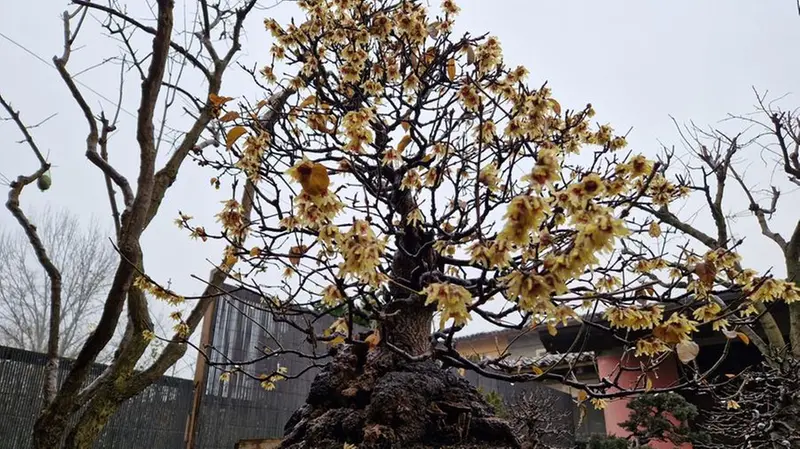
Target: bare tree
column 718, row 168
column 84, row 256
column 178, row 57
column 765, row 415
column 541, row 421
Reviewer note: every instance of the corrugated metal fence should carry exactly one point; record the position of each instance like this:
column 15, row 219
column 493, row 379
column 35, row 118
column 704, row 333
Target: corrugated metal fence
column 154, row 419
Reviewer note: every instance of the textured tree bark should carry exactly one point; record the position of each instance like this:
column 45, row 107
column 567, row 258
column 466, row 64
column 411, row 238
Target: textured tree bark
column 793, row 275
column 408, row 327
column 379, row 400
column 84, row 435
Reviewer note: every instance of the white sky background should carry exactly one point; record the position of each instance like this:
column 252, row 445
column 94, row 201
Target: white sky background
column 636, row 62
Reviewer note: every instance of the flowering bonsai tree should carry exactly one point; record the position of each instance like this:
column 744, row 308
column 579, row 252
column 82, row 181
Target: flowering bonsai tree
column 415, row 181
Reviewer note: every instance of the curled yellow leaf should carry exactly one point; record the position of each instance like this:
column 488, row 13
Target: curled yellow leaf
column 233, row 135
column 556, row 106
column 295, row 253
column 373, row 339
column 307, row 102
column 742, row 336
column 451, row 69
column 655, row 230
column 229, row 116
column 470, row 54
column 403, row 143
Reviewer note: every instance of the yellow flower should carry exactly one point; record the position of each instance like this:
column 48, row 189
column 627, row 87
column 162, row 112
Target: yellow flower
column 640, row 166
column 485, row 132
column 654, row 230
column 608, row 283
column 707, row 312
column 532, row 291
column 488, row 54
column 148, row 335
column 480, row 254
column 450, row 7
column 524, row 214
column 650, row 347
column 362, row 252
column 392, row 157
column 315, row 212
column 332, row 296
column 233, row 220
column 592, row 185
column 415, row 218
column 411, row 180
column 599, row 404
column 634, row 318
column 452, row 301
column 676, row 329
column 488, row 177
column 470, row 98
column 546, row 170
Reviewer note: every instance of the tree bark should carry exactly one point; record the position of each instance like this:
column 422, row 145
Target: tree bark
column 408, row 327
column 380, row 400
column 793, row 275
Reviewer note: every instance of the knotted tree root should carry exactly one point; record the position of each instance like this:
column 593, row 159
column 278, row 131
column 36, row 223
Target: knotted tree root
column 378, row 400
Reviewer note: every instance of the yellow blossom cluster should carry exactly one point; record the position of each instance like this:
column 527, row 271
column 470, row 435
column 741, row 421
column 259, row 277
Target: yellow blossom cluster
column 495, row 254
column 451, row 300
column 233, row 220
column 524, row 214
column 361, row 251
column 709, row 313
column 268, row 381
column 649, row 347
column 489, row 54
column 532, row 291
column 773, row 289
column 356, row 130
column 315, row 211
column 546, row 170
column 634, row 318
column 676, row 329
column 250, row 160
column 158, row 292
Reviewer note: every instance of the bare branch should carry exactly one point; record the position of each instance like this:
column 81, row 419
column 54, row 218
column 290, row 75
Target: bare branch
column 13, row 205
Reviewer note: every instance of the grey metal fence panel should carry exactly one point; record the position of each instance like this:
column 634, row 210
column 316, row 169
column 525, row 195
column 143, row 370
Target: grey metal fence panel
column 240, row 408
column 153, row 419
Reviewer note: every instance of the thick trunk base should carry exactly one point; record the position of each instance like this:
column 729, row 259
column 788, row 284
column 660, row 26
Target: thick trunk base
column 377, row 400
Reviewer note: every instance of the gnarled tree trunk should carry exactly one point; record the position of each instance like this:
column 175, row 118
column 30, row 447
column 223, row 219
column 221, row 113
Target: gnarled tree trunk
column 378, row 399
column 390, row 397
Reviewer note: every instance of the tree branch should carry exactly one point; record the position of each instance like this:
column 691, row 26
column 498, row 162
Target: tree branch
column 13, row 205
column 113, row 12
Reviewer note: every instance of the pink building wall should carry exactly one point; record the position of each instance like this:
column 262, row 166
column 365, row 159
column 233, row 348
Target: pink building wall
column 616, row 410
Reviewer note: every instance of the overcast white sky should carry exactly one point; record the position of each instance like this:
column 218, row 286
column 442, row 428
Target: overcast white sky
column 637, row 61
